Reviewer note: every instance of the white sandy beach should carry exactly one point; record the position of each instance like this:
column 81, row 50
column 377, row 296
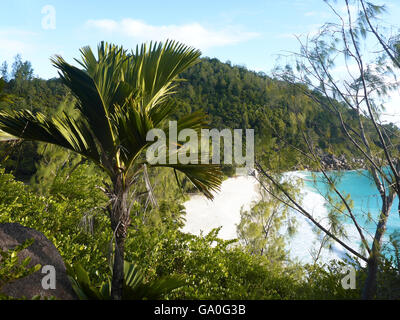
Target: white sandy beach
column 203, row 215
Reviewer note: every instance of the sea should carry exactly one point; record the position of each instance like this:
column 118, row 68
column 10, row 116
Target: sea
column 241, row 192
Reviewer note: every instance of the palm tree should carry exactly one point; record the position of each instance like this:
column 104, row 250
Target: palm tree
column 120, row 97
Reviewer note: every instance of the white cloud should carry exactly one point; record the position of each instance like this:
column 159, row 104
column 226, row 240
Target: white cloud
column 310, row 13
column 193, row 34
column 103, row 25
column 285, row 36
column 13, row 41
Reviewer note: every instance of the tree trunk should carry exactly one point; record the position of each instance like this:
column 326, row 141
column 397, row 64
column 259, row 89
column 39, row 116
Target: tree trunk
column 120, row 220
column 369, row 290
column 370, row 285
column 117, row 281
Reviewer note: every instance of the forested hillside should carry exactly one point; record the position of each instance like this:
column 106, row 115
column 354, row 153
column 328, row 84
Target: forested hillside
column 232, row 96
column 235, row 97
column 61, row 196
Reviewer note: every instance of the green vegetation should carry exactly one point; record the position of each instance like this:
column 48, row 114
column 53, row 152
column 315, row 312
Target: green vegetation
column 260, row 228
column 209, row 267
column 61, row 194
column 231, row 96
column 120, row 96
column 278, row 111
column 12, row 268
column 134, row 287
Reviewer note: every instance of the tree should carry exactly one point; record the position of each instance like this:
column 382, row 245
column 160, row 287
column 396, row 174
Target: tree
column 120, row 97
column 4, row 71
column 260, row 228
column 21, row 70
column 3, row 96
column 354, row 98
column 21, row 74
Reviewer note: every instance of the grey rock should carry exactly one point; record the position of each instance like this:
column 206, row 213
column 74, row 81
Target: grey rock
column 42, row 252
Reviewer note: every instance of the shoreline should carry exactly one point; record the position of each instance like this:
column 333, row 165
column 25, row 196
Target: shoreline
column 204, row 215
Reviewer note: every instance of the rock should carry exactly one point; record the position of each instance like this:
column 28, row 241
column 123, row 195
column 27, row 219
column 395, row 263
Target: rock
column 42, row 252
column 332, row 162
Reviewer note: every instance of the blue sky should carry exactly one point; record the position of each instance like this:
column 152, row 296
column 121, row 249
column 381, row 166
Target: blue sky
column 250, row 33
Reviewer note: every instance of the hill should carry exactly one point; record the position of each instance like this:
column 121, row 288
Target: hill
column 232, row 96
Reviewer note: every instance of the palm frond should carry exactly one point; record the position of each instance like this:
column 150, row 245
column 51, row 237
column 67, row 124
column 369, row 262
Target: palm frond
column 4, row 136
column 131, row 126
column 207, row 178
column 154, row 67
column 62, row 131
column 90, row 102
column 133, row 123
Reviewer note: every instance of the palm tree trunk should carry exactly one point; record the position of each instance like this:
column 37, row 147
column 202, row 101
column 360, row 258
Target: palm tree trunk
column 120, row 220
column 117, row 281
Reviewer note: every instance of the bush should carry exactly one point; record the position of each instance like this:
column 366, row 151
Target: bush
column 59, row 217
column 12, row 268
column 211, row 268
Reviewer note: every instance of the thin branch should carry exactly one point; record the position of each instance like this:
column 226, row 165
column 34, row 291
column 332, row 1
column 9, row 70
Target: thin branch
column 304, row 212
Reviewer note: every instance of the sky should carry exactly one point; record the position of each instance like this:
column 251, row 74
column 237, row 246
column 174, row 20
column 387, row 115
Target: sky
column 251, row 33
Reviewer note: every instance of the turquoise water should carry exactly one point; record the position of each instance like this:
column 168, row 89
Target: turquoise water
column 366, row 199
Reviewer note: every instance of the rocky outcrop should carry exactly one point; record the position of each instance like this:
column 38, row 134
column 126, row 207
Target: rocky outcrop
column 42, row 252
column 332, row 162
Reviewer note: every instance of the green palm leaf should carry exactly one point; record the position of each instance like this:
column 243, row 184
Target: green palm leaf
column 206, row 178
column 62, row 131
column 90, row 102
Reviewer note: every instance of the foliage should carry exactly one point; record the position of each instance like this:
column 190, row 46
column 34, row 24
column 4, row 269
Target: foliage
column 64, row 199
column 28, row 92
column 12, row 268
column 218, row 269
column 243, row 99
column 120, row 97
column 210, row 267
column 60, row 217
column 324, row 281
column 134, row 287
column 261, row 228
column 234, row 97
column 3, row 96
